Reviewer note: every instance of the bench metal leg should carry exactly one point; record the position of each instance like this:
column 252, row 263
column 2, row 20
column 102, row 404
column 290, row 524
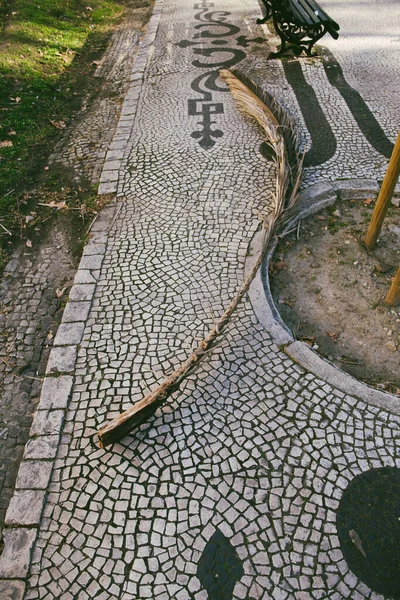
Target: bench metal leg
column 268, row 12
column 295, row 37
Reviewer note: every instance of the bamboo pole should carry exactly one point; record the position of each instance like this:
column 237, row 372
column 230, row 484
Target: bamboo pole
column 385, row 196
column 393, row 296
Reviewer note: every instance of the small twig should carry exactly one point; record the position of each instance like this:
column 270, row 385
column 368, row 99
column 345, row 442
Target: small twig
column 298, row 230
column 8, row 193
column 92, row 223
column 116, row 215
column 5, row 229
column 280, row 236
column 349, row 362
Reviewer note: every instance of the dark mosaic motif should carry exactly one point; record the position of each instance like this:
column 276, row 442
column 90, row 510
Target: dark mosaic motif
column 214, row 26
column 368, row 523
column 219, row 568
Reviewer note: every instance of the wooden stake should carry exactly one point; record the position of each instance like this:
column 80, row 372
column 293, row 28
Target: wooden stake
column 385, row 196
column 393, row 296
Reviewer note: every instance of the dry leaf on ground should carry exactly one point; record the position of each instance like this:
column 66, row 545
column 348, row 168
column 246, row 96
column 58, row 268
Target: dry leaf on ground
column 52, row 204
column 59, row 292
column 58, row 124
column 355, row 538
column 6, row 144
column 308, row 340
column 275, row 266
column 29, row 243
column 333, row 335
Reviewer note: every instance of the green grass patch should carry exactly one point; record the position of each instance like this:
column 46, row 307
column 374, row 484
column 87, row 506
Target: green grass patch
column 47, row 49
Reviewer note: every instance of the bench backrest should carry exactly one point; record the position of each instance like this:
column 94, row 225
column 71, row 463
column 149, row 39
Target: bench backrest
column 308, row 12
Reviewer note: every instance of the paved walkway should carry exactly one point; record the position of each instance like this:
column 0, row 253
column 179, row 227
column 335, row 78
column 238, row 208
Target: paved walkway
column 232, row 489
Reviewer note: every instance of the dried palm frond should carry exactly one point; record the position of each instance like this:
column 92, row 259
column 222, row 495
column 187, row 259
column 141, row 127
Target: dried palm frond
column 278, row 128
column 280, row 132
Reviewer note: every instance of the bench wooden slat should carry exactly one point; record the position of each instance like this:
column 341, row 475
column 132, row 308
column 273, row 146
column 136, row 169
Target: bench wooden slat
column 300, row 16
column 309, row 12
column 322, row 15
column 311, row 17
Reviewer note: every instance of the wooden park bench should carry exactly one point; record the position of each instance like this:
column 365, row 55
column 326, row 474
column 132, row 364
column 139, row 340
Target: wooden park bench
column 299, row 24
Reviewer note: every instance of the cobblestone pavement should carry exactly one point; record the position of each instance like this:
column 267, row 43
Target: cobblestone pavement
column 231, row 490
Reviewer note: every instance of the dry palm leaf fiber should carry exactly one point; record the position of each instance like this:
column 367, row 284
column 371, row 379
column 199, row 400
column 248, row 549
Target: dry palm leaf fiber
column 278, row 129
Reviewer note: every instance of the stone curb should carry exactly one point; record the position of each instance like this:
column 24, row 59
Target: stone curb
column 26, row 505
column 116, row 151
column 311, row 201
column 11, row 589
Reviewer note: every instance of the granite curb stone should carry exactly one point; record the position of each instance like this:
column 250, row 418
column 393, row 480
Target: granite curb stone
column 76, row 311
column 33, row 475
column 69, row 333
column 62, row 359
column 12, row 589
column 25, row 507
column 47, row 422
column 44, row 447
column 14, row 561
column 83, row 291
column 55, row 392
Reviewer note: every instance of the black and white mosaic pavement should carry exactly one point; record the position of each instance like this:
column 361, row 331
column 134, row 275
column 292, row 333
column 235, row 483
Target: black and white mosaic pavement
column 231, row 490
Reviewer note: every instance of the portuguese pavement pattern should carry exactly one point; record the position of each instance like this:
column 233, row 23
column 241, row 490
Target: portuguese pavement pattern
column 232, row 489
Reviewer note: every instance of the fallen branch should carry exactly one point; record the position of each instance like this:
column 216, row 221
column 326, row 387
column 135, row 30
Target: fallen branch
column 279, row 130
column 134, row 416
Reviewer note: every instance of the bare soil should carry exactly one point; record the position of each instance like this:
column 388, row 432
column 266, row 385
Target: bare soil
column 330, row 290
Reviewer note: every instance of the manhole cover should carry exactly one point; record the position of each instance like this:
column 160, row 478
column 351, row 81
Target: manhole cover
column 368, row 523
